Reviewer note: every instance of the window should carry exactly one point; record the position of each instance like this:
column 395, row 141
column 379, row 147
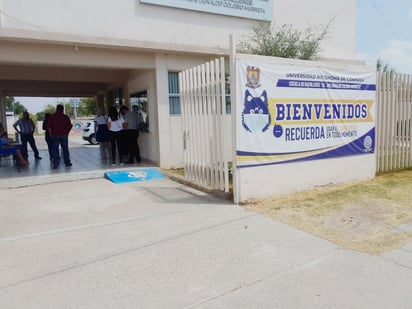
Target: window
column 227, row 95
column 174, row 97
column 139, row 104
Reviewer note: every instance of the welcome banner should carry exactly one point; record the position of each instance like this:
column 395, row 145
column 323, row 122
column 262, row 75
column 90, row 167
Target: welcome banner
column 288, row 113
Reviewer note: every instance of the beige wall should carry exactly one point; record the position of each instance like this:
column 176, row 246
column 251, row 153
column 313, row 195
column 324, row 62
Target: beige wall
column 131, row 23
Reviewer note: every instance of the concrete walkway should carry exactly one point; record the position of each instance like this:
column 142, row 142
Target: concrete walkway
column 86, row 165
column 158, row 244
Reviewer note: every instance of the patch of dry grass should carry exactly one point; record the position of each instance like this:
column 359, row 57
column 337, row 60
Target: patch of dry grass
column 361, row 216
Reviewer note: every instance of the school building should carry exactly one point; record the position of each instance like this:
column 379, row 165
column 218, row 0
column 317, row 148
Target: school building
column 130, row 51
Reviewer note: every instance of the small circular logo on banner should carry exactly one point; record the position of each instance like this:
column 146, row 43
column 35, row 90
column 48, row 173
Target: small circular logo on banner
column 367, row 142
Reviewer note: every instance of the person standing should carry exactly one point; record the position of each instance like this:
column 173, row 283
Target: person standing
column 10, row 149
column 47, row 135
column 25, row 127
column 59, row 126
column 102, row 135
column 131, row 133
column 115, row 126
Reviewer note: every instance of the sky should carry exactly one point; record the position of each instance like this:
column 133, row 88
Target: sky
column 383, row 30
column 35, row 104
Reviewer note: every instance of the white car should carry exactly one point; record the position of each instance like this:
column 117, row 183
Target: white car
column 89, row 133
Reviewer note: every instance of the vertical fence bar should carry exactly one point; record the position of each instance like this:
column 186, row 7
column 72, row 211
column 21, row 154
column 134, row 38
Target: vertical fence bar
column 190, row 134
column 391, row 118
column 223, row 113
column 378, row 136
column 384, row 119
column 202, row 133
column 215, row 124
column 221, row 100
column 409, row 124
column 183, row 104
column 207, row 119
column 402, row 122
column 397, row 87
column 195, row 122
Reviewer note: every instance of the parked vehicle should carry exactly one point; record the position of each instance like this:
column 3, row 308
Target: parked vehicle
column 89, row 133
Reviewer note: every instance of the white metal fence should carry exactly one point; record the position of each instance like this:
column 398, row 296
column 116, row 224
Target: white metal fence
column 202, row 93
column 394, row 126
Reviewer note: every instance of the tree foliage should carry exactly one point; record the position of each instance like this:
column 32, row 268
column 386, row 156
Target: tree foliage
column 48, row 109
column 14, row 106
column 384, row 67
column 284, row 41
column 88, row 107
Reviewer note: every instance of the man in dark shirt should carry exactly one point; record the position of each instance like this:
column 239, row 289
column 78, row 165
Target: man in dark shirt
column 59, row 126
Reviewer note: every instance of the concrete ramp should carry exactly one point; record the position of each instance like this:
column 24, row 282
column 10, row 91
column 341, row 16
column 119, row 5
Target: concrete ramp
column 141, row 174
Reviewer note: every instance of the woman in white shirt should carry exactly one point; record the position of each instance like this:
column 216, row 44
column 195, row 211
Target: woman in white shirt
column 115, row 125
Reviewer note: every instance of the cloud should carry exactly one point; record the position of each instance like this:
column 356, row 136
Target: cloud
column 369, row 59
column 398, row 55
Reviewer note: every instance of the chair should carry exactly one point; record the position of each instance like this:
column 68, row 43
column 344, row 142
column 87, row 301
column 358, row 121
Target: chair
column 9, row 152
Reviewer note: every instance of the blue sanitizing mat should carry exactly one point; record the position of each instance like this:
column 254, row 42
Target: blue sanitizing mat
column 134, row 175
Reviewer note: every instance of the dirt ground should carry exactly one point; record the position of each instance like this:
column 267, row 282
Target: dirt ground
column 371, row 216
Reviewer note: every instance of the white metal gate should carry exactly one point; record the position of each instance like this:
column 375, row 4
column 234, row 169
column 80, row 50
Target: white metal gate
column 202, row 93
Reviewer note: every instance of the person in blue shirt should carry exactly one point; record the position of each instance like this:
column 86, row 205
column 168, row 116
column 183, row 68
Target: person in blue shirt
column 7, row 148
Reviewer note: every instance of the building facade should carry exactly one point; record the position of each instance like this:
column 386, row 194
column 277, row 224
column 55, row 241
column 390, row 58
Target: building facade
column 130, row 51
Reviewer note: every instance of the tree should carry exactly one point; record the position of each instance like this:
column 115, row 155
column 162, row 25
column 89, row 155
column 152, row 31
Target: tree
column 48, row 109
column 384, row 67
column 284, row 41
column 87, row 107
column 14, row 106
column 68, row 110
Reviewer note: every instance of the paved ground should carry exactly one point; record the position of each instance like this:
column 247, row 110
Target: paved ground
column 90, row 243
column 158, row 244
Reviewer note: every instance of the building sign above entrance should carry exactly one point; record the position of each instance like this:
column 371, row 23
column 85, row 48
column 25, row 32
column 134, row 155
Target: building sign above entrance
column 253, row 9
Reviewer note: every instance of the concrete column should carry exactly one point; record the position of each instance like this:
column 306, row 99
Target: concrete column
column 109, row 99
column 2, row 111
column 126, row 95
column 162, row 95
column 101, row 107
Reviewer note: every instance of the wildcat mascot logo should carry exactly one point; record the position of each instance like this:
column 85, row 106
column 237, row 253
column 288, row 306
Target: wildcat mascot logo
column 255, row 115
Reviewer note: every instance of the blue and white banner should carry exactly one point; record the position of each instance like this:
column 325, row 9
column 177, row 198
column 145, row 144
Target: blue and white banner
column 288, row 113
column 252, row 9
